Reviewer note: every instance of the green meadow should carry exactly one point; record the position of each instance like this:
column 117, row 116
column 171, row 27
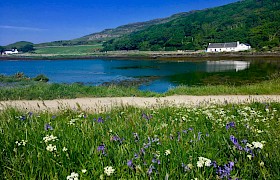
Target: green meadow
column 69, row 50
column 207, row 142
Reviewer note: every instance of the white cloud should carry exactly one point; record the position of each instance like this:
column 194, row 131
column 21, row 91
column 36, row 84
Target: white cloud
column 21, row 28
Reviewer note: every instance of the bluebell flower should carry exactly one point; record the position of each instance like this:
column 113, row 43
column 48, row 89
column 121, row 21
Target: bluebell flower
column 147, row 117
column 101, row 148
column 230, row 125
column 48, row 127
column 100, row 120
column 150, row 170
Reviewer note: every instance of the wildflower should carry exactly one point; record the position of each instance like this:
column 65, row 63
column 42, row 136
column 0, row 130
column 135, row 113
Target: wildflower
column 101, row 148
column 167, row 152
column 235, row 142
column 147, row 117
column 224, row 171
column 64, row 149
column 203, row 161
column 21, row 143
column 199, row 135
column 109, row 170
column 229, row 125
column 48, row 127
column 249, row 156
column 84, row 171
column 261, row 163
column 130, row 164
column 100, row 120
column 73, row 176
column 150, row 170
column 257, row 145
column 51, row 148
column 116, row 138
column 49, row 138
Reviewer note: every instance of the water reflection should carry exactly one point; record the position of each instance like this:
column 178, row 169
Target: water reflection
column 222, row 66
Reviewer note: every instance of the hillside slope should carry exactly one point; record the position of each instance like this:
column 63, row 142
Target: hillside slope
column 256, row 22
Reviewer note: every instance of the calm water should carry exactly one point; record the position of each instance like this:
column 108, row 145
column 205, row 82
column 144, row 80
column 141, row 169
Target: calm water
column 162, row 75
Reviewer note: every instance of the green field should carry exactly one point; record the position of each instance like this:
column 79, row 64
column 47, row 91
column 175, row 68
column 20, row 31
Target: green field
column 215, row 142
column 69, row 50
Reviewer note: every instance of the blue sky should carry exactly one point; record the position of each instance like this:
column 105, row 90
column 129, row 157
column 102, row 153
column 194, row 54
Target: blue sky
column 49, row 20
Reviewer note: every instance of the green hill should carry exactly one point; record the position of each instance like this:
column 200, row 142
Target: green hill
column 18, row 45
column 256, row 22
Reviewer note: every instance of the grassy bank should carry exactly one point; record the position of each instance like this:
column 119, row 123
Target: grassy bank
column 46, row 91
column 177, row 143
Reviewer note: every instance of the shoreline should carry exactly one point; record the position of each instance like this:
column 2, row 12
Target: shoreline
column 186, row 56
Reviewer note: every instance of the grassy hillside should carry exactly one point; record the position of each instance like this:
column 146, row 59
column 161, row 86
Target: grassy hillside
column 250, row 21
column 68, row 50
column 18, row 45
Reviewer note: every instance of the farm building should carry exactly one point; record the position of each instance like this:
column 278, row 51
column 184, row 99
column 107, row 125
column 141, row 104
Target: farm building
column 228, row 47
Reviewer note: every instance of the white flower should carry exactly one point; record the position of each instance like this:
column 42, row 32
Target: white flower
column 51, row 148
column 261, row 163
column 167, row 152
column 203, row 161
column 249, row 156
column 21, row 143
column 49, row 138
column 84, row 171
column 257, row 145
column 64, row 149
column 109, row 170
column 73, row 176
column 199, row 164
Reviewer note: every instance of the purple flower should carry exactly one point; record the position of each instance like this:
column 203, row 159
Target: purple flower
column 130, row 164
column 190, row 129
column 30, row 114
column 117, row 138
column 101, row 148
column 136, row 156
column 53, row 117
column 48, row 127
column 235, row 142
column 147, row 117
column 224, row 171
column 150, row 170
column 100, row 120
column 185, row 131
column 229, row 125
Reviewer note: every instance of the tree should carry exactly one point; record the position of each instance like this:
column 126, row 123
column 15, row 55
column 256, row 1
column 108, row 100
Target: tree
column 1, row 49
column 27, row 48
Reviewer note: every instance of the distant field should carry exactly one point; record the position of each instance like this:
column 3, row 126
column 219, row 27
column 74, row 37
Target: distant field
column 69, row 50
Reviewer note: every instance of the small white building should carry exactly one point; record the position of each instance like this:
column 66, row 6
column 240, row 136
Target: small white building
column 13, row 51
column 228, row 47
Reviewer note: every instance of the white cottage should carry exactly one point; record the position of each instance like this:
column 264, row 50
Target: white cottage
column 228, row 47
column 13, row 51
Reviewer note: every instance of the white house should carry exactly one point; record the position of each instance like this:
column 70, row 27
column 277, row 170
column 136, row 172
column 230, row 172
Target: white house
column 13, row 51
column 228, row 47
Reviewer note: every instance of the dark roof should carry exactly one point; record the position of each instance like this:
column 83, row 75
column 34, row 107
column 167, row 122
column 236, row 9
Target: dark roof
column 223, row 45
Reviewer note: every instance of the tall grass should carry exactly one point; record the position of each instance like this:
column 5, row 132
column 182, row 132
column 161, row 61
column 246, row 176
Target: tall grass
column 56, row 91
column 143, row 143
